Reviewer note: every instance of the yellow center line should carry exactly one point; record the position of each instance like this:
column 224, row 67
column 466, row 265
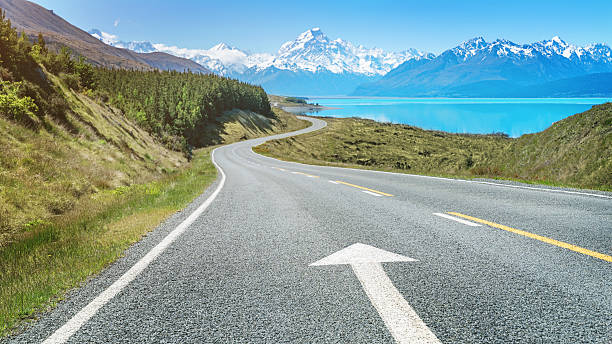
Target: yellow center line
column 364, row 188
column 547, row 240
column 305, row 174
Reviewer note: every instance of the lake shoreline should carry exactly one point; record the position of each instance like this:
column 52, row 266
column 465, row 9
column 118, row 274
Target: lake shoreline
column 511, row 116
column 307, row 109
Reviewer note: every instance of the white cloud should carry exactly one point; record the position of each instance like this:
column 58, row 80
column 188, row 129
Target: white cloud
column 116, row 23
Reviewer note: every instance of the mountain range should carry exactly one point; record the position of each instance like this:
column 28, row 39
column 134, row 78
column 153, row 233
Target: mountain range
column 313, row 64
column 502, row 68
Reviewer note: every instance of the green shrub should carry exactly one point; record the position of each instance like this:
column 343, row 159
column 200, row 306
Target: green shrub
column 14, row 106
column 71, row 80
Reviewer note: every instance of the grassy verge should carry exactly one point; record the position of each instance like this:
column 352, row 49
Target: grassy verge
column 43, row 253
column 54, row 256
column 573, row 152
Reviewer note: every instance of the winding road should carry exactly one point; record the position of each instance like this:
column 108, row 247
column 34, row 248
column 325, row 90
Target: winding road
column 283, row 252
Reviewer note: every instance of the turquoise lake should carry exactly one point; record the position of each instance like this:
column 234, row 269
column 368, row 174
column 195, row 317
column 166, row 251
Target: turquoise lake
column 514, row 117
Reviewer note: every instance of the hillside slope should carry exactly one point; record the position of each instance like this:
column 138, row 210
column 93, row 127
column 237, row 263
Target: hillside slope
column 76, row 190
column 46, row 172
column 575, row 151
column 35, row 19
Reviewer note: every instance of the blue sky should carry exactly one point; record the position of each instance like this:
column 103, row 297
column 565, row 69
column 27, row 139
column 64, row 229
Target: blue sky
column 262, row 26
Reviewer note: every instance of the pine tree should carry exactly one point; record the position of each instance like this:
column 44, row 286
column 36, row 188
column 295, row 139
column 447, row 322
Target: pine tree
column 41, row 43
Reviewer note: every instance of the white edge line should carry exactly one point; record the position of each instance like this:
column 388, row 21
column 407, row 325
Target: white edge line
column 371, row 193
column 441, row 178
column 333, row 182
column 64, row 333
column 542, row 189
column 465, row 222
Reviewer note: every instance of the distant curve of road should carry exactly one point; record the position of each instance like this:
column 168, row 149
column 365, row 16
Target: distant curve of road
column 277, row 251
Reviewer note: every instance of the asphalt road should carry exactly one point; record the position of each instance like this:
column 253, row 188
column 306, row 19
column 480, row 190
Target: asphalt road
column 240, row 272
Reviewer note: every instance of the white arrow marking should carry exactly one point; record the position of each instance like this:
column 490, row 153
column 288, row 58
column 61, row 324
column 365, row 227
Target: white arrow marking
column 401, row 320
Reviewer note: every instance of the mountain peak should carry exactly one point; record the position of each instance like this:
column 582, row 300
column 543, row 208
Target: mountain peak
column 475, row 40
column 469, row 47
column 558, row 40
column 474, row 43
column 313, row 34
column 221, row 46
column 504, row 41
column 104, row 36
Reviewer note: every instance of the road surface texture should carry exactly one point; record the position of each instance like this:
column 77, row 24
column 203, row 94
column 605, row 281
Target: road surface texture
column 296, row 253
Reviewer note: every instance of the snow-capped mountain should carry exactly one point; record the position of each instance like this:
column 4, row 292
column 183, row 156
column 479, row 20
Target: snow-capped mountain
column 498, row 68
column 555, row 47
column 310, row 55
column 313, row 51
column 104, row 36
column 314, row 64
column 222, row 59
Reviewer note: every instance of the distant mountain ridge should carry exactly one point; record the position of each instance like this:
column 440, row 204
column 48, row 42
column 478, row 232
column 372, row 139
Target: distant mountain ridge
column 35, row 19
column 312, row 64
column 501, row 68
column 311, row 51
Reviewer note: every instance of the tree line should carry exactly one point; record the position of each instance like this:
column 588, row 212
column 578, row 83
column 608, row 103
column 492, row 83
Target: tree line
column 175, row 103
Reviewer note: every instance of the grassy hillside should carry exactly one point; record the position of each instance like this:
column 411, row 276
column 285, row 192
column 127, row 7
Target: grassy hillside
column 46, row 171
column 85, row 171
column 353, row 142
column 575, row 151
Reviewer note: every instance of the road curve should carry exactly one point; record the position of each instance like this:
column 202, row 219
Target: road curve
column 474, row 262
